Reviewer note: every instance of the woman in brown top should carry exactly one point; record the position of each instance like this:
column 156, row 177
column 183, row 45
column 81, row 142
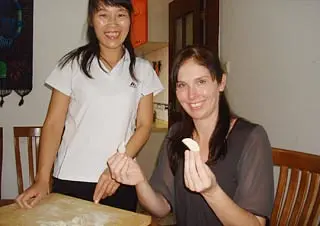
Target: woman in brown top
column 230, row 180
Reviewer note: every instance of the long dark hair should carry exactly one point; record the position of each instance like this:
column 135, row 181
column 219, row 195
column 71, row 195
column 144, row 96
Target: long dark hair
column 85, row 54
column 217, row 144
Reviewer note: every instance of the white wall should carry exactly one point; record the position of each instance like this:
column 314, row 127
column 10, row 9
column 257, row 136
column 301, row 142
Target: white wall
column 274, row 78
column 58, row 28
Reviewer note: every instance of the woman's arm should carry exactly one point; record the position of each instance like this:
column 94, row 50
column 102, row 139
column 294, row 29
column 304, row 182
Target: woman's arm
column 152, row 201
column 51, row 133
column 143, row 126
column 228, row 212
column 49, row 144
column 125, row 170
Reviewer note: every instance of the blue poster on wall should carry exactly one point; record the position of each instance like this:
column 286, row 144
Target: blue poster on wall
column 16, row 47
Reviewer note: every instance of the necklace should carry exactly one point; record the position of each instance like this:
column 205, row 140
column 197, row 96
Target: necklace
column 104, row 60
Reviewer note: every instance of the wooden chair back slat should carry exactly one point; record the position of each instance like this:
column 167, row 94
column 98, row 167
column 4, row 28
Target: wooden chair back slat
column 290, row 199
column 18, row 164
column 37, row 143
column 297, row 200
column 30, row 160
column 283, row 177
column 310, row 201
column 316, row 208
column 301, row 198
column 32, row 134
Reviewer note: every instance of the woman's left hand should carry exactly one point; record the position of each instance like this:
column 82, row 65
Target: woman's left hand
column 197, row 175
column 125, row 170
column 105, row 187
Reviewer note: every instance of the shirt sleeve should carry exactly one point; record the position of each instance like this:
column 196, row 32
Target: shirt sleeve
column 150, row 80
column 61, row 79
column 162, row 179
column 255, row 175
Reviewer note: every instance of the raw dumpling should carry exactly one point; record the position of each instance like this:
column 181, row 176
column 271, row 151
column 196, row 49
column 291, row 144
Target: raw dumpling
column 191, row 144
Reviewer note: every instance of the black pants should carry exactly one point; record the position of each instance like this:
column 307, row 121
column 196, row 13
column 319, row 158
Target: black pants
column 124, row 198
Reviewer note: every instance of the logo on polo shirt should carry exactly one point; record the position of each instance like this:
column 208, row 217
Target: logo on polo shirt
column 133, row 85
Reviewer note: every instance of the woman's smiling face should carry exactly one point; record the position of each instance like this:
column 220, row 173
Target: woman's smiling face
column 111, row 25
column 197, row 90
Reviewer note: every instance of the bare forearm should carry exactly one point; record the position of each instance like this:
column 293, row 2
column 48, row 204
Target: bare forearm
column 137, row 141
column 228, row 212
column 154, row 202
column 49, row 145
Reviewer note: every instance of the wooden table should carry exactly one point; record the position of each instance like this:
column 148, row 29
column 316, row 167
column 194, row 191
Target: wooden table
column 61, row 210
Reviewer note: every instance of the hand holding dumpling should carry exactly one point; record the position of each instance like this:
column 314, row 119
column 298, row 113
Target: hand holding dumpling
column 197, row 175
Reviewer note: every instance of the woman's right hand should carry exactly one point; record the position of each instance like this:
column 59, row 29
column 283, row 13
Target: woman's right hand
column 30, row 197
column 125, row 170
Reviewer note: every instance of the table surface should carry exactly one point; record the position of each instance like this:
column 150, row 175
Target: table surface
column 61, row 210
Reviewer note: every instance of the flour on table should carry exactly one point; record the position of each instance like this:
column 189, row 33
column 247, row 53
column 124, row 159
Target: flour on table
column 66, row 213
column 92, row 219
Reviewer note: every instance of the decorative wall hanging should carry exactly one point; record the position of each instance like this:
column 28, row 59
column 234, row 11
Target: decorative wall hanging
column 16, row 48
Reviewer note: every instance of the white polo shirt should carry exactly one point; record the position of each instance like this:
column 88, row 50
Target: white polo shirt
column 101, row 114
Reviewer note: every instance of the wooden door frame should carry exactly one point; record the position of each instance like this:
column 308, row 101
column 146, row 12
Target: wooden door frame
column 212, row 31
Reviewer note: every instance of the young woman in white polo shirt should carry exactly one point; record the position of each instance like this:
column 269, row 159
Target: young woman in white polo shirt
column 101, row 98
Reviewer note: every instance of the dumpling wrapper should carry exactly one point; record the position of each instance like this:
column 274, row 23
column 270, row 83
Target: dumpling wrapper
column 122, row 148
column 191, row 144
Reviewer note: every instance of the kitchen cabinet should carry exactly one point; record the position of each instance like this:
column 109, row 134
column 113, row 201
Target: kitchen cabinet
column 150, row 25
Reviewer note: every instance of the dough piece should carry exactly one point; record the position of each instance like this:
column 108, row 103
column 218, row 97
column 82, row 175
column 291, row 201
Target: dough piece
column 191, row 144
column 122, row 148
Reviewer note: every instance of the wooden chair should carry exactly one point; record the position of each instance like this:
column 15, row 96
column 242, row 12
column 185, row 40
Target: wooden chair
column 2, row 201
column 32, row 135
column 297, row 200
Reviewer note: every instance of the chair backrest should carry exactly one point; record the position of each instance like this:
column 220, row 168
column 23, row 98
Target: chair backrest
column 1, row 156
column 297, row 200
column 32, row 135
